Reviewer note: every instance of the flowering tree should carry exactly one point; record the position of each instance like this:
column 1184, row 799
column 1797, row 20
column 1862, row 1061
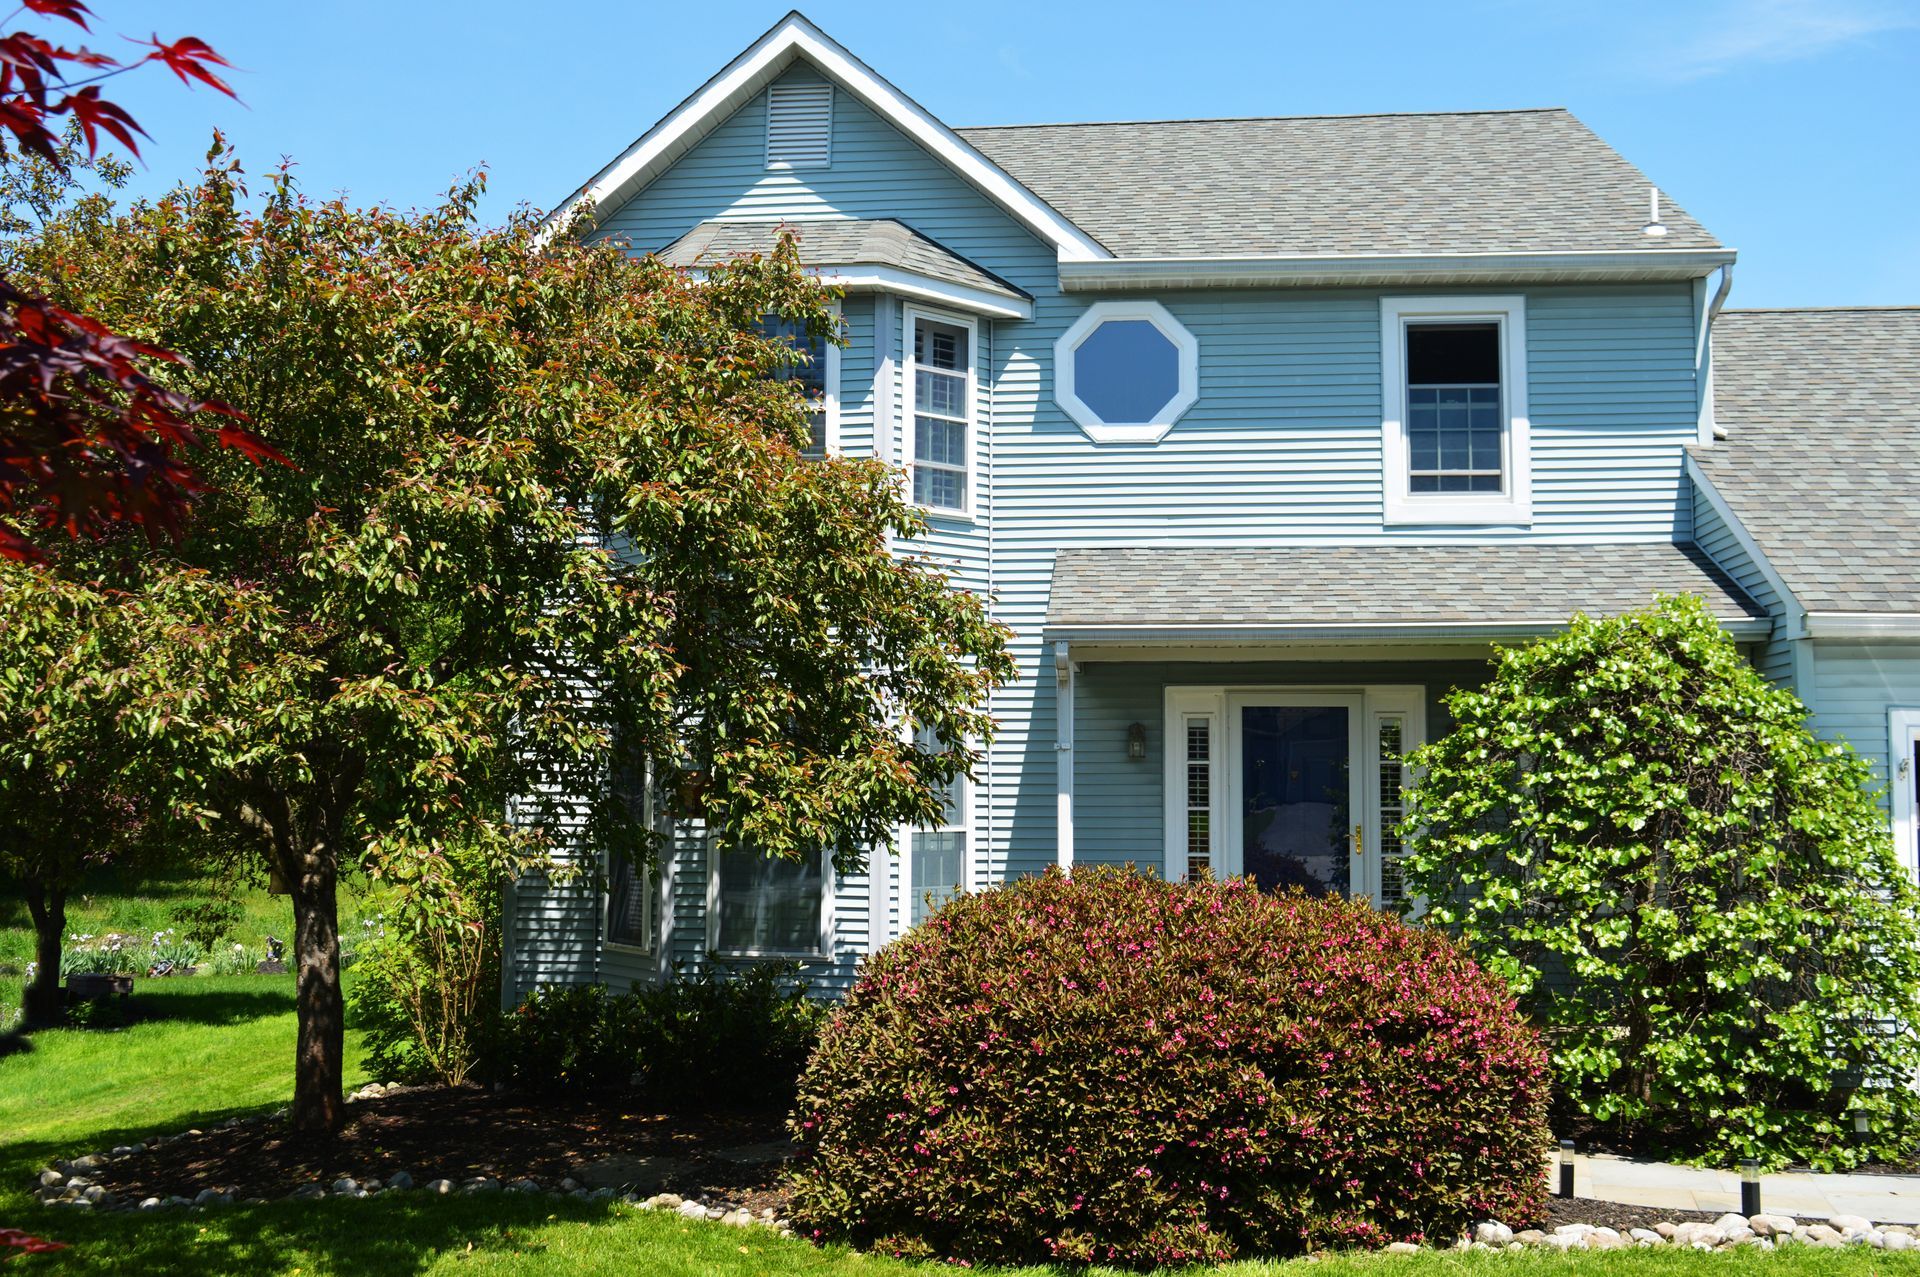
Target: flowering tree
column 1695, row 894
column 547, row 524
column 68, row 797
column 88, row 436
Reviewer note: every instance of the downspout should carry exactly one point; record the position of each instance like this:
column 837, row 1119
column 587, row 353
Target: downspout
column 1709, row 428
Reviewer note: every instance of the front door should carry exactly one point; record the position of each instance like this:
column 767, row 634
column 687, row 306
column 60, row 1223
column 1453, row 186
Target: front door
column 1293, row 819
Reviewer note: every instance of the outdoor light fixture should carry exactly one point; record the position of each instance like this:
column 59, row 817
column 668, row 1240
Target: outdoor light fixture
column 1749, row 1187
column 1137, row 741
column 1860, row 1124
column 1566, row 1168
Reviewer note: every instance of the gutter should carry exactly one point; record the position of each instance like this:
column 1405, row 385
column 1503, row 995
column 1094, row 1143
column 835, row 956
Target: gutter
column 1324, row 269
column 1149, row 634
column 1863, row 625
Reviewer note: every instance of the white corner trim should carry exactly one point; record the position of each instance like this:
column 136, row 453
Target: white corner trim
column 1863, row 625
column 1063, row 708
column 1903, row 730
column 1793, row 617
column 794, row 37
column 831, row 376
column 1096, row 428
column 1314, row 270
column 1402, row 508
column 940, row 292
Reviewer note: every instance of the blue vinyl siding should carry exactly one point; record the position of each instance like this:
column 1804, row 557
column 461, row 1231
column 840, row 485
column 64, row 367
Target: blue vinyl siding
column 1773, row 658
column 1282, row 447
column 1854, row 685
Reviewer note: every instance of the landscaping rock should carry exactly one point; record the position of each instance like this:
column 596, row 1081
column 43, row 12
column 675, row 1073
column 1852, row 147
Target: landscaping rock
column 1767, row 1225
column 481, row 1184
column 51, row 1179
column 1666, row 1230
column 525, row 1186
column 441, row 1186
column 308, row 1192
column 1646, row 1237
column 211, row 1197
column 737, row 1219
column 1530, row 1237
column 1402, row 1248
column 692, row 1210
column 1890, row 1240
column 87, row 1163
column 1845, row 1224
column 1493, row 1233
column 1700, row 1236
column 346, row 1186
column 149, row 1203
column 400, row 1180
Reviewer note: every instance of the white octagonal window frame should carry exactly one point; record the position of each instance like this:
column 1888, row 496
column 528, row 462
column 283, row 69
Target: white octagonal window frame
column 1097, row 428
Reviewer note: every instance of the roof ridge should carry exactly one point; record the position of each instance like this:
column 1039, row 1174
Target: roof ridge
column 1815, row 310
column 1262, row 119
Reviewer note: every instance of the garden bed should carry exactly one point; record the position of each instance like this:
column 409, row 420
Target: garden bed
column 466, row 1134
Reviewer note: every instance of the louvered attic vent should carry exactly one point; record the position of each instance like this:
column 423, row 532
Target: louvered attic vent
column 799, row 125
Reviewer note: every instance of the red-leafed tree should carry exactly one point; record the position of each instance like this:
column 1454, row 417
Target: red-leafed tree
column 87, row 437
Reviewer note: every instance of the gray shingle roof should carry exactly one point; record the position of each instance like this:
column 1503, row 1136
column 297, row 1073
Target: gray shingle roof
column 1822, row 457
column 839, row 242
column 1428, row 586
column 1521, row 181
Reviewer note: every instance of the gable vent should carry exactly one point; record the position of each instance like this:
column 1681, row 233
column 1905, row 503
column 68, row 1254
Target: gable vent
column 799, row 125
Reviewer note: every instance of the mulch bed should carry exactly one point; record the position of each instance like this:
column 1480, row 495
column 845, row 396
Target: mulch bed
column 1584, row 1210
column 458, row 1134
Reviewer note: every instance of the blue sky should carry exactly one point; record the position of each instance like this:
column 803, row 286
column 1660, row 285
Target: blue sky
column 1787, row 126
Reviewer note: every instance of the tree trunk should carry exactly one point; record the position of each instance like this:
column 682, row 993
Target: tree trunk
column 317, row 1102
column 44, row 1006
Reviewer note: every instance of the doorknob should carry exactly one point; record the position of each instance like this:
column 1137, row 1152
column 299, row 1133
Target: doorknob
column 1359, row 842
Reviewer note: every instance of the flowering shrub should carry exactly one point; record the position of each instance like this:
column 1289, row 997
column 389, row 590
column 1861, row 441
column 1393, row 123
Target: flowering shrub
column 1700, row 898
column 1110, row 1068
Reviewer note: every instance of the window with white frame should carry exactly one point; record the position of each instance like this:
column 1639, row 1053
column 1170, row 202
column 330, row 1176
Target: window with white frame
column 767, row 906
column 633, row 895
column 1390, row 744
column 940, row 386
column 1126, row 371
column 812, row 372
column 939, row 867
column 1456, row 438
column 1199, row 794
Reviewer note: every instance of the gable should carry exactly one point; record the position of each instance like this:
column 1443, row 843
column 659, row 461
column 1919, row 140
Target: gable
column 794, row 43
column 875, row 173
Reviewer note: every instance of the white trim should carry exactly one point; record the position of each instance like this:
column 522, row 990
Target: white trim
column 1180, row 704
column 794, row 38
column 830, row 375
column 1408, row 702
column 1309, row 270
column 1792, row 617
column 1066, row 394
column 1903, row 755
column 1063, row 707
column 1514, row 505
column 1281, row 631
column 714, row 853
column 909, row 316
column 1901, row 625
column 1238, row 699
column 906, row 283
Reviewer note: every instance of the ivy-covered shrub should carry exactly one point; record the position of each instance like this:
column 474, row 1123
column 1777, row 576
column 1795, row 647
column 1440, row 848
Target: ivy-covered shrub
column 1697, row 897
column 719, row 1037
column 1110, row 1068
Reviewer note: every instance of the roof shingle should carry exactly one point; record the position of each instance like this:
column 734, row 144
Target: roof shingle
column 1428, row 586
column 839, row 242
column 1822, row 457
column 1512, row 181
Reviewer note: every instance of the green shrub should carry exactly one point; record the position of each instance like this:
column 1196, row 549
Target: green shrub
column 1697, row 896
column 744, row 1035
column 739, row 1038
column 1110, row 1068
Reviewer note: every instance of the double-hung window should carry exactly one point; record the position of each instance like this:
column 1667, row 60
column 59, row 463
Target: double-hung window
column 940, row 385
column 1456, row 438
column 763, row 906
column 633, row 889
column 814, row 373
column 939, row 867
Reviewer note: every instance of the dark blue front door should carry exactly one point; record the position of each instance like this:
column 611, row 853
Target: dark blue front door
column 1296, row 823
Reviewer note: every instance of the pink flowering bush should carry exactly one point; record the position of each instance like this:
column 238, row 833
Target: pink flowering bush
column 1110, row 1068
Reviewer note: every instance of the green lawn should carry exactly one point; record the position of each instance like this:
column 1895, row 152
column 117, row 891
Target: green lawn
column 225, row 1047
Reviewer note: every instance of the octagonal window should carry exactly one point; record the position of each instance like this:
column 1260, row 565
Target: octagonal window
column 1126, row 371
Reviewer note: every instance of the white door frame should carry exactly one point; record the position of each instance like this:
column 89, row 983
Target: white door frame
column 1903, row 755
column 1369, row 709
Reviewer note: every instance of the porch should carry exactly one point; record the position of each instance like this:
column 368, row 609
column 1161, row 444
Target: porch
column 1245, row 711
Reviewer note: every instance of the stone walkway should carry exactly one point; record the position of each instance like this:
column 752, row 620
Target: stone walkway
column 1884, row 1199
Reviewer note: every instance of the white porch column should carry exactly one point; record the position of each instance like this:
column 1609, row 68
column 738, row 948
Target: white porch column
column 1063, row 750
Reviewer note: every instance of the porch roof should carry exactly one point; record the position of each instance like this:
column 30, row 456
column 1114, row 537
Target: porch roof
column 1167, row 593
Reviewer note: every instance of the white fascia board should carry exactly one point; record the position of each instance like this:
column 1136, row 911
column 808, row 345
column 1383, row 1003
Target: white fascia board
column 793, row 37
column 903, row 283
column 1793, row 620
column 1148, row 633
column 1863, row 625
column 1329, row 269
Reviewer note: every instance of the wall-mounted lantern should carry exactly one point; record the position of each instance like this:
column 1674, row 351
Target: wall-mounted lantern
column 1137, row 742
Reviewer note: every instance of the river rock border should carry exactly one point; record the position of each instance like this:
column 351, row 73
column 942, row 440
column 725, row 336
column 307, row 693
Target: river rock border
column 1769, row 1231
